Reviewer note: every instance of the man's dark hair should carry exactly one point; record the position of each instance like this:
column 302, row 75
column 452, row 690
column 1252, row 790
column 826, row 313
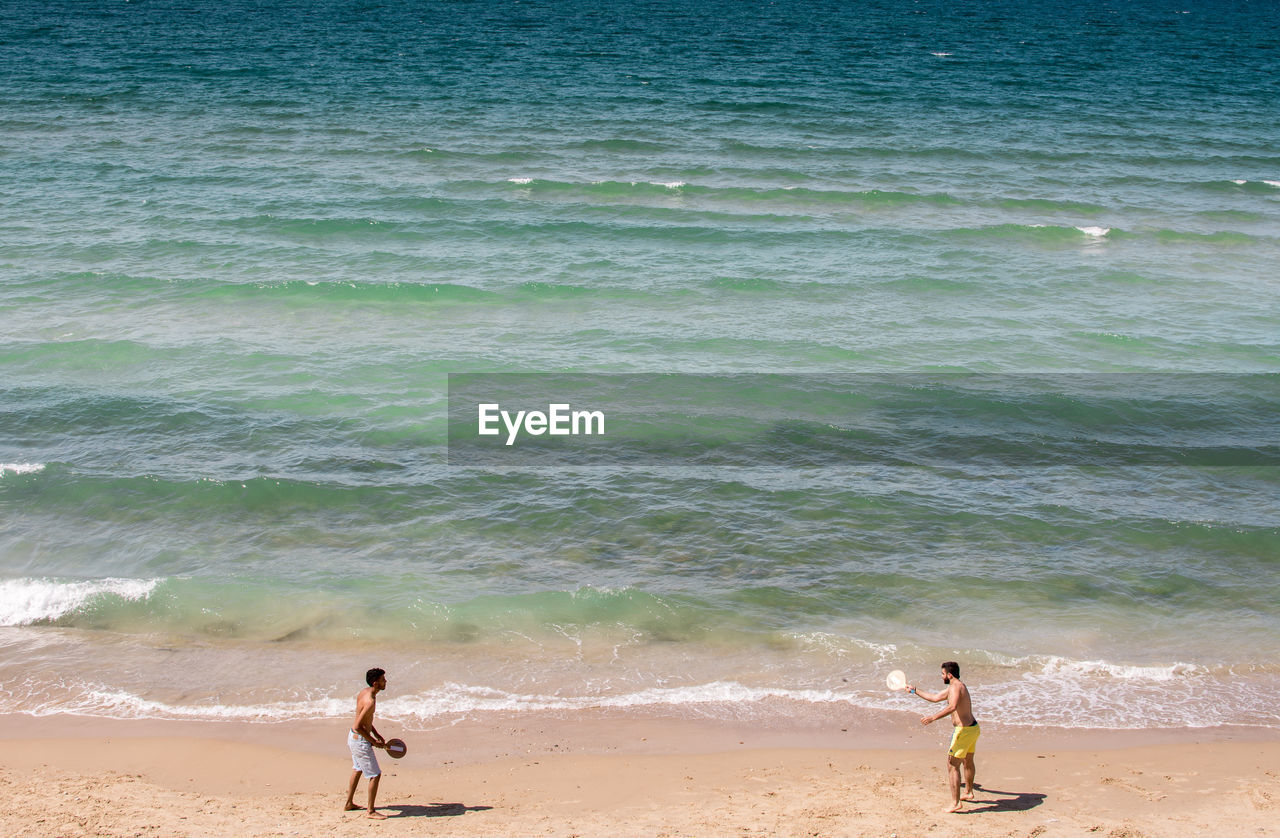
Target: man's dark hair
column 373, row 675
column 951, row 668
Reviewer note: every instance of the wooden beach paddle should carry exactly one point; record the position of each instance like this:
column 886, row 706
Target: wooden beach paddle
column 396, row 748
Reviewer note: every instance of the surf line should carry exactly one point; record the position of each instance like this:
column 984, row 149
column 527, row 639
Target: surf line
column 558, row 420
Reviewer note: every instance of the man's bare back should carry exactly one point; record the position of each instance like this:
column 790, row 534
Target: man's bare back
column 958, row 694
column 366, row 704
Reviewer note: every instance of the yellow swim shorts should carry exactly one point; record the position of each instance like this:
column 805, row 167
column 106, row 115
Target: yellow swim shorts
column 964, row 741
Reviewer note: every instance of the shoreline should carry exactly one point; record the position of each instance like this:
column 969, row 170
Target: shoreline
column 612, row 775
column 493, row 735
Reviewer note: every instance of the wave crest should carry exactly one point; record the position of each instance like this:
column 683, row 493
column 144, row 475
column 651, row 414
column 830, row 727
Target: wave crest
column 27, row 601
column 21, row 468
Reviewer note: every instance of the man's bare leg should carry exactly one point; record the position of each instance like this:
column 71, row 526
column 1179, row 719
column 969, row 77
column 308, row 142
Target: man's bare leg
column 351, row 792
column 373, row 796
column 953, row 781
column 969, row 771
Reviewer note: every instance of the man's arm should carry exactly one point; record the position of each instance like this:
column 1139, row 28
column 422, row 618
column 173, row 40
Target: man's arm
column 942, row 696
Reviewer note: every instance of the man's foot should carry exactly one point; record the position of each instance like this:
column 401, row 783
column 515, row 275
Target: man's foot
column 377, row 816
column 967, row 796
column 351, row 807
column 959, row 807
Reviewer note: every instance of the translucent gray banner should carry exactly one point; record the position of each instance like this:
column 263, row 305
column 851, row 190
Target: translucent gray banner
column 924, row 419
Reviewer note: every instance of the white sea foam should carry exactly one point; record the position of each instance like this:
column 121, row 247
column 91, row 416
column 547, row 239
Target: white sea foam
column 1054, row 665
column 1053, row 691
column 448, row 700
column 25, row 601
column 1061, row 693
column 841, row 646
column 520, row 180
column 453, row 699
column 942, row 54
column 122, row 704
column 1120, row 697
column 1275, row 183
column 675, row 184
column 1096, row 232
column 1036, row 665
column 1239, row 182
column 21, row 468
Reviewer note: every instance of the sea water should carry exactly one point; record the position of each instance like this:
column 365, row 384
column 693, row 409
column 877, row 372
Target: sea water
column 242, row 246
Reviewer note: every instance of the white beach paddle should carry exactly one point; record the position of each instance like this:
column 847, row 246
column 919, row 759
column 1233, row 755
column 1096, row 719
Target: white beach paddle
column 897, row 680
column 396, row 748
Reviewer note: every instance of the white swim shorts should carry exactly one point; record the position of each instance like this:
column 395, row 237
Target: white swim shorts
column 362, row 756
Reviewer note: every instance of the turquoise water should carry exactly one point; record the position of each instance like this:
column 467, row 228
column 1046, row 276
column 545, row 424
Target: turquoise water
column 243, row 245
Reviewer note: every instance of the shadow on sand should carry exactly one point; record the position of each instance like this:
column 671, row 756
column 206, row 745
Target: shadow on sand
column 435, row 810
column 1011, row 801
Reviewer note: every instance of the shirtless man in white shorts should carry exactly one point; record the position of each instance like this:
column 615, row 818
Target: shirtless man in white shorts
column 362, row 739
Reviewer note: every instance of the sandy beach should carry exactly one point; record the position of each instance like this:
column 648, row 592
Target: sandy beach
column 71, row 777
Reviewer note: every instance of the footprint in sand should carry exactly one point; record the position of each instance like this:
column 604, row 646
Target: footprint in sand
column 1130, row 787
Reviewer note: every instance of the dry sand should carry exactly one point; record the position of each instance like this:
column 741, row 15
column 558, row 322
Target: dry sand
column 74, row 777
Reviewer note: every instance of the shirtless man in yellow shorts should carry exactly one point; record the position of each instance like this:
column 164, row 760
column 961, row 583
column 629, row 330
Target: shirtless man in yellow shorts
column 965, row 736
